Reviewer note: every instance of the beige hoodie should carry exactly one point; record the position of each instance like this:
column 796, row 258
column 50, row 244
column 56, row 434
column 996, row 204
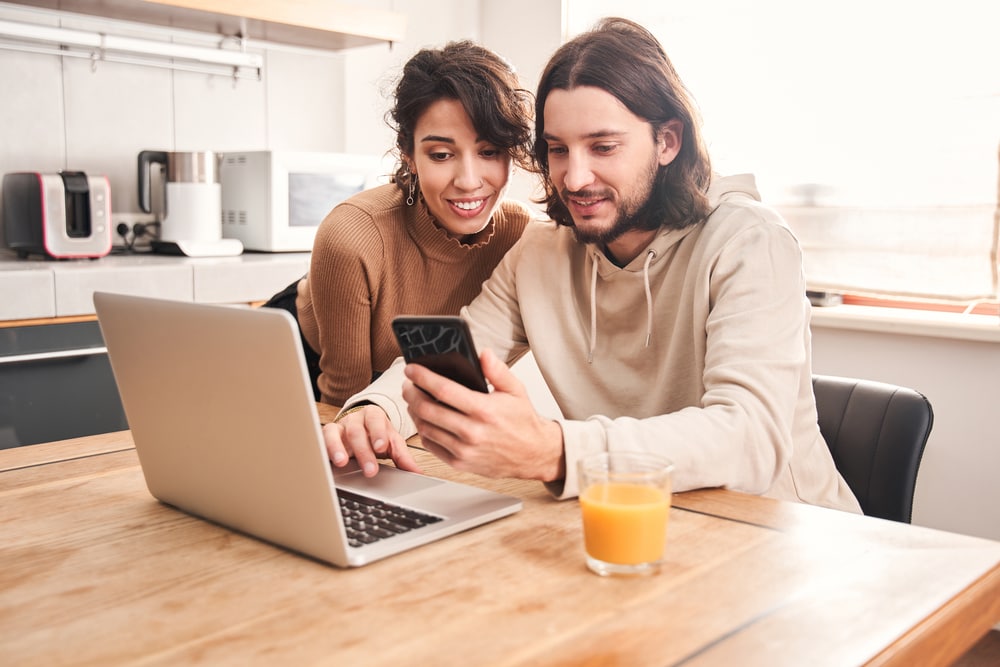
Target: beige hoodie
column 699, row 350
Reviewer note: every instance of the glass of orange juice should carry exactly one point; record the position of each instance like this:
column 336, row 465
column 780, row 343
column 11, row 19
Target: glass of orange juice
column 625, row 500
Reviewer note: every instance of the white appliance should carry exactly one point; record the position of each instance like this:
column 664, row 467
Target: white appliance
column 273, row 201
column 191, row 223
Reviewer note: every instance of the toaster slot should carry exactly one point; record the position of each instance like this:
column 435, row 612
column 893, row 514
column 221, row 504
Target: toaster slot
column 77, row 193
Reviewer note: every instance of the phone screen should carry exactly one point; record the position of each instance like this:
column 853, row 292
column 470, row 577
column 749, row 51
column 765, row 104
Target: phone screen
column 442, row 344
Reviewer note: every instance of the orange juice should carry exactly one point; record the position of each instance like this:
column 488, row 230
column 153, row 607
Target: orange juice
column 625, row 523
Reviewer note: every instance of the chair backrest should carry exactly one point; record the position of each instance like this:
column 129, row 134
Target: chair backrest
column 876, row 433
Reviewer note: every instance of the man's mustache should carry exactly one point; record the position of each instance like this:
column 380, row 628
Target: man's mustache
column 584, row 194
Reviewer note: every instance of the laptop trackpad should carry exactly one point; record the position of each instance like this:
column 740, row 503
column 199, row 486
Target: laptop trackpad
column 388, row 483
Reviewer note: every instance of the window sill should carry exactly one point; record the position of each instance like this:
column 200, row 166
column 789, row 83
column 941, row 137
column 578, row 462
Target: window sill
column 912, row 322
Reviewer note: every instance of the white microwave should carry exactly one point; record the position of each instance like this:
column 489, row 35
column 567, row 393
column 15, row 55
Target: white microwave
column 273, row 201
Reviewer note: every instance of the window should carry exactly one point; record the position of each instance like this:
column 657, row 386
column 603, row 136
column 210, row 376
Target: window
column 873, row 125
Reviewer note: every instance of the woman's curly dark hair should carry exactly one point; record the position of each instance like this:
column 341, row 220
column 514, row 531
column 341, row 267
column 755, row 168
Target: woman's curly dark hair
column 487, row 88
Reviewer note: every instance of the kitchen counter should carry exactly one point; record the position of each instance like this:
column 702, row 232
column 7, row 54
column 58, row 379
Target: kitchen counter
column 36, row 288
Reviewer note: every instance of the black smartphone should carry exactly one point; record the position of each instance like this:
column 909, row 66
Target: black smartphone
column 443, row 344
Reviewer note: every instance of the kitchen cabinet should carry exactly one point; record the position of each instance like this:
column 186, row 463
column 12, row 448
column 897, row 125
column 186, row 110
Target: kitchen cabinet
column 56, row 369
column 318, row 24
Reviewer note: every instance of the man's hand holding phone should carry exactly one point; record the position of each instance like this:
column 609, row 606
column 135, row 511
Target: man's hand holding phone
column 447, row 393
column 494, row 434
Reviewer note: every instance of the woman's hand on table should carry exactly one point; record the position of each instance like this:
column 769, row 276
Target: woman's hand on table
column 367, row 435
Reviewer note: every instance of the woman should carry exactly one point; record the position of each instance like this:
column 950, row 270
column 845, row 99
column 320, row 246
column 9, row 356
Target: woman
column 424, row 243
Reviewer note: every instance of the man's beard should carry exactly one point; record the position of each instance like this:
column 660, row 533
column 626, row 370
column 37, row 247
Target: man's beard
column 634, row 213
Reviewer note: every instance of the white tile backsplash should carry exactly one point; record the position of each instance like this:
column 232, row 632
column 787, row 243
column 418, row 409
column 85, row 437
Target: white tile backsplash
column 305, row 101
column 215, row 113
column 67, row 113
column 31, row 113
column 112, row 112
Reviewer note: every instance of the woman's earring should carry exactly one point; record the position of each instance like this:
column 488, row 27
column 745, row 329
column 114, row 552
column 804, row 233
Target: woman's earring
column 413, row 189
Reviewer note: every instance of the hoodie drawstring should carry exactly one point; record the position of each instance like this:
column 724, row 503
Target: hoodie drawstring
column 593, row 309
column 650, row 255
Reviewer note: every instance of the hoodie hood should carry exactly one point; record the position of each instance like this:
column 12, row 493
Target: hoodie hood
column 724, row 187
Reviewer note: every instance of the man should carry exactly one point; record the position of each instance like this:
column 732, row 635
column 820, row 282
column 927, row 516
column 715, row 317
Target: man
column 665, row 308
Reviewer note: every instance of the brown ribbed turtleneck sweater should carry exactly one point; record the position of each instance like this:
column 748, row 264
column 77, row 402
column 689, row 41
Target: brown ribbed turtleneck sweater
column 374, row 258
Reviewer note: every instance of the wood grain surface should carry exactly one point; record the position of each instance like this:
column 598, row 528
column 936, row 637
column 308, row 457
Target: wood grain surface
column 93, row 570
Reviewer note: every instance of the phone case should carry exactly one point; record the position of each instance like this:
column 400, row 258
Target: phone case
column 442, row 344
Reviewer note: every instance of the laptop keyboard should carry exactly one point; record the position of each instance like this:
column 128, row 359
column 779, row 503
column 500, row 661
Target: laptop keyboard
column 369, row 520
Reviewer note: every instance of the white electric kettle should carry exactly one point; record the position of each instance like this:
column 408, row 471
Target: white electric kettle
column 192, row 211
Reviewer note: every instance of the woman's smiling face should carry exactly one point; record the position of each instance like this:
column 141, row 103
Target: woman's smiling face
column 462, row 177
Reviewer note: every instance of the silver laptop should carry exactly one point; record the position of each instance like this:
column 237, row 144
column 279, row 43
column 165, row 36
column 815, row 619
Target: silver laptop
column 224, row 421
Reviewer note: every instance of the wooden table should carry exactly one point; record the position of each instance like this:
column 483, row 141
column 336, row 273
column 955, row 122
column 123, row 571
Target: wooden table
column 93, row 570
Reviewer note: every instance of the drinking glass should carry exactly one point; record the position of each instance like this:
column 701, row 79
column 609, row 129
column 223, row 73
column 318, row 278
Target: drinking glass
column 625, row 502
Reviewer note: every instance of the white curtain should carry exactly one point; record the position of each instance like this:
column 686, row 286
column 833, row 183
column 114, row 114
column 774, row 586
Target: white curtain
column 873, row 125
column 942, row 253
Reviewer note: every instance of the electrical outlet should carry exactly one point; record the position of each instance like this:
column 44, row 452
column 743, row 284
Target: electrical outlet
column 131, row 218
column 134, row 232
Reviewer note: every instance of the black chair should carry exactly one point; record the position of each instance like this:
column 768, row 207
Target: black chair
column 876, row 433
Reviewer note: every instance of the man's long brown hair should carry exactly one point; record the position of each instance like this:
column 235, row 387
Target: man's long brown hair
column 624, row 59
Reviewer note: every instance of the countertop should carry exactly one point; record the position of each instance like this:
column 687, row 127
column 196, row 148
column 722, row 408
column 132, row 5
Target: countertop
column 39, row 288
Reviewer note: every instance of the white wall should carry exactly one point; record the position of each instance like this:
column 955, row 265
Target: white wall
column 501, row 26
column 59, row 113
column 526, row 32
column 371, row 73
column 957, row 486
